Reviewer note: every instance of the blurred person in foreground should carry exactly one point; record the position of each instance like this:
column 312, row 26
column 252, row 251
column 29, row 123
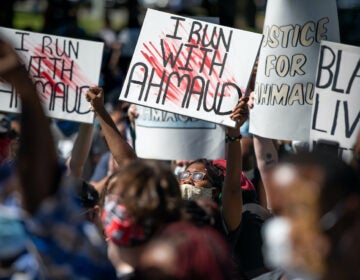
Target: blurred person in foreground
column 53, row 221
column 202, row 180
column 315, row 232
column 184, row 251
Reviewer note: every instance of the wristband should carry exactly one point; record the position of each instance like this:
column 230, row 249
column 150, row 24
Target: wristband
column 232, row 138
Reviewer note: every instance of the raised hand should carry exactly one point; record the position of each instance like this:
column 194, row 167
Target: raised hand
column 133, row 114
column 251, row 101
column 240, row 113
column 120, row 149
column 95, row 95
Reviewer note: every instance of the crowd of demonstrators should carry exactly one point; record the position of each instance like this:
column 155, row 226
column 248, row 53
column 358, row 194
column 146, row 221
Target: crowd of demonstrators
column 47, row 217
column 205, row 180
column 56, row 220
column 136, row 202
column 217, row 191
column 292, row 215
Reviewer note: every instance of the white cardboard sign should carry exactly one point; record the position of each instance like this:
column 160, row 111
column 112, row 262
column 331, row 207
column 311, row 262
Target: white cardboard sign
column 336, row 108
column 168, row 136
column 62, row 69
column 190, row 67
column 284, row 86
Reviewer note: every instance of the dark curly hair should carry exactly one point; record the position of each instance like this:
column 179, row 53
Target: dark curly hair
column 149, row 190
column 215, row 172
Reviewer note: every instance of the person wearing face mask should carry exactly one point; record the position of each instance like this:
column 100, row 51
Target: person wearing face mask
column 137, row 202
column 222, row 183
column 201, row 185
column 231, row 190
column 314, row 235
column 202, row 180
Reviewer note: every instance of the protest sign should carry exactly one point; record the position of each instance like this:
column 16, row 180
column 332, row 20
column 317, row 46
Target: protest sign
column 190, row 67
column 284, row 86
column 336, row 108
column 168, row 136
column 62, row 69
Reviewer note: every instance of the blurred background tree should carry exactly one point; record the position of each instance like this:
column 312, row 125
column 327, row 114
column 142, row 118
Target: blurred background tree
column 51, row 15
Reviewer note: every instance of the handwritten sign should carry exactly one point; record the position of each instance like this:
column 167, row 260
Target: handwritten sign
column 336, row 108
column 190, row 67
column 62, row 69
column 284, row 86
column 168, row 136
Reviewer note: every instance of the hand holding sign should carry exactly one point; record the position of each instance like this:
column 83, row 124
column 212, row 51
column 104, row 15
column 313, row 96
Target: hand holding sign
column 240, row 113
column 190, row 67
column 133, row 114
column 251, row 101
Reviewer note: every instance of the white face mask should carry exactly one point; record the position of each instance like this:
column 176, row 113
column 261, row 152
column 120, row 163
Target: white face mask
column 278, row 249
column 190, row 192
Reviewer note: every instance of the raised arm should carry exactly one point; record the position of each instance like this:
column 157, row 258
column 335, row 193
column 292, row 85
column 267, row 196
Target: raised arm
column 81, row 148
column 232, row 192
column 266, row 156
column 37, row 159
column 120, row 149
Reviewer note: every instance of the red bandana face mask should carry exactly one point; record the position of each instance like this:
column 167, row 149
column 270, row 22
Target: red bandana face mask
column 118, row 225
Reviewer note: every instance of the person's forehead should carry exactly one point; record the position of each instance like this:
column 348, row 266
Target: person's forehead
column 197, row 166
column 289, row 187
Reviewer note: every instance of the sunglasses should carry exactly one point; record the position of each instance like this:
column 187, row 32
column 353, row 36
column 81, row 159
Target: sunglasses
column 196, row 175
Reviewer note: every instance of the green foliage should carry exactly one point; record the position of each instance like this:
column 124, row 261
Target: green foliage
column 30, row 21
column 35, row 22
